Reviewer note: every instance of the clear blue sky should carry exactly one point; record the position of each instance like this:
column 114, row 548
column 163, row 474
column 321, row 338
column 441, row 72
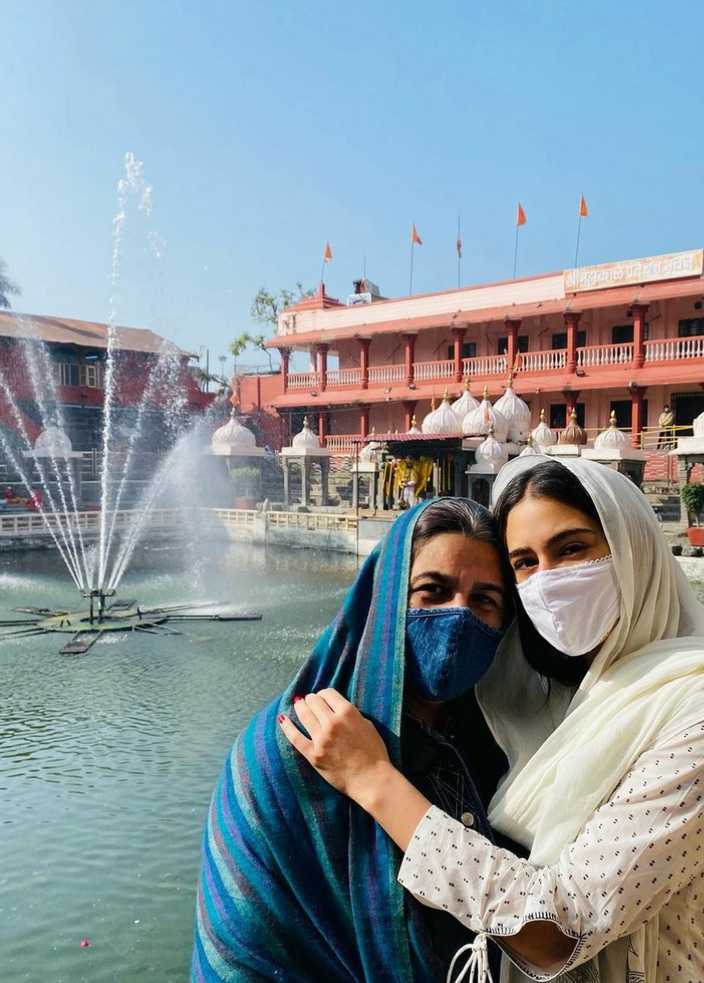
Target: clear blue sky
column 267, row 128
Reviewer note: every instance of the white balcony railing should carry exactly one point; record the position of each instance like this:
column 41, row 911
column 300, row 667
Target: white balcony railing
column 381, row 374
column 485, row 365
column 672, row 349
column 597, row 355
column 542, row 361
column 343, row 443
column 423, row 371
column 344, row 377
column 303, row 380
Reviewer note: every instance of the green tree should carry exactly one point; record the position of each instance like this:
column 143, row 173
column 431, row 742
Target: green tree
column 7, row 286
column 265, row 310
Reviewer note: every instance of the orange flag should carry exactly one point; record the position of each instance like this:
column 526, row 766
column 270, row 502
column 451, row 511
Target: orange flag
column 327, row 255
column 583, row 210
column 415, row 238
column 520, row 215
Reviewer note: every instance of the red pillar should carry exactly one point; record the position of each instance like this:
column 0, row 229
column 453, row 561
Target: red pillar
column 458, row 340
column 285, row 355
column 322, row 427
column 409, row 345
column 636, row 413
column 364, row 344
column 363, row 421
column 571, row 397
column 409, row 409
column 323, row 366
column 571, row 322
column 512, row 346
column 639, row 312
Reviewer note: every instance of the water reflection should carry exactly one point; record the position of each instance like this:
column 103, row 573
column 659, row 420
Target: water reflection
column 107, row 760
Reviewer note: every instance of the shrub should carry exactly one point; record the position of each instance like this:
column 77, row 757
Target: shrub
column 693, row 499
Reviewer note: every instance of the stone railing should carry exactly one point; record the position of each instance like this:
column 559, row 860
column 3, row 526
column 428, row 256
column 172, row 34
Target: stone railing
column 598, row 355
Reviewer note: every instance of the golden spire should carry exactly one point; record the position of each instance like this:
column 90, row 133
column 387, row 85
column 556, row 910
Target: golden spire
column 510, row 379
column 305, row 422
column 485, row 394
column 446, row 394
column 542, row 415
column 466, row 383
column 432, row 404
column 612, row 420
column 413, row 420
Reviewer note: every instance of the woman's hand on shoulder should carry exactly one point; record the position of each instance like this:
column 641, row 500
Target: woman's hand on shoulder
column 344, row 747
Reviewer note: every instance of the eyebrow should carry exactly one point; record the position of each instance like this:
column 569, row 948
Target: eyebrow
column 487, row 585
column 553, row 541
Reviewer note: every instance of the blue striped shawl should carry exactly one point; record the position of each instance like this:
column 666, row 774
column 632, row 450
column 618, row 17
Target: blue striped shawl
column 298, row 883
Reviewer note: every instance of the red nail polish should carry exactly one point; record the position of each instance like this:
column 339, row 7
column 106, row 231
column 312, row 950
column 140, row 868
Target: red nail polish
column 281, row 718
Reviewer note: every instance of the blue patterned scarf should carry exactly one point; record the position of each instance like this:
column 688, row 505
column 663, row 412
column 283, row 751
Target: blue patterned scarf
column 297, row 882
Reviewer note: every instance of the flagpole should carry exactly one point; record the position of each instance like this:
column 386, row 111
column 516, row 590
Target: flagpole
column 459, row 253
column 322, row 272
column 515, row 253
column 410, row 281
column 579, row 230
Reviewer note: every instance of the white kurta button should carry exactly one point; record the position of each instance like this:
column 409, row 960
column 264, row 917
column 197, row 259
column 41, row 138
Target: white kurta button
column 467, row 819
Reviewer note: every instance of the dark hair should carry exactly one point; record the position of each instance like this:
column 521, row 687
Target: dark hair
column 465, row 516
column 550, row 480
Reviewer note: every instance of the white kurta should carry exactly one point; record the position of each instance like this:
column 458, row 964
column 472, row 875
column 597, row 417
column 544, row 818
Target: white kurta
column 642, row 852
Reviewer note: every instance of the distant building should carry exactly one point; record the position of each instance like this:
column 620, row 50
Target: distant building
column 625, row 336
column 77, row 352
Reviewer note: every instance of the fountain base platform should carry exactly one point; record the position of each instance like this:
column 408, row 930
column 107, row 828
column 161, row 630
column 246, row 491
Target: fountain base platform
column 86, row 626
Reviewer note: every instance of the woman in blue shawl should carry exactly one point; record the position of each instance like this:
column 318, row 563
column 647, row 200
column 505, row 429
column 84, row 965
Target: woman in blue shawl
column 297, row 882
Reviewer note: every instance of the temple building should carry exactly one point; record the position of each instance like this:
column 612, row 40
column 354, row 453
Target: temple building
column 623, row 338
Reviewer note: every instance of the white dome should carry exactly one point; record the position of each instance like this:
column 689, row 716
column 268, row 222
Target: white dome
column 613, row 437
column 53, row 442
column 543, row 436
column 369, row 451
column 515, row 412
column 698, row 425
column 491, row 453
column 232, row 438
column 443, row 420
column 465, row 404
column 306, row 438
column 529, row 449
column 478, row 422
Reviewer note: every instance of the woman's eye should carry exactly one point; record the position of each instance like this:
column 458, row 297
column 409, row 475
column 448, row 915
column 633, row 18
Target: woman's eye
column 571, row 548
column 485, row 600
column 523, row 563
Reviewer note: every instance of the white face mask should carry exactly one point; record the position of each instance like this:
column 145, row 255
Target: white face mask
column 574, row 607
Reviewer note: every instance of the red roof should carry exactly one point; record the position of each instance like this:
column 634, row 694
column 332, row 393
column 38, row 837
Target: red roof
column 86, row 334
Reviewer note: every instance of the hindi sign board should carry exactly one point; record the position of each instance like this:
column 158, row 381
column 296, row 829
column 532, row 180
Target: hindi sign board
column 670, row 266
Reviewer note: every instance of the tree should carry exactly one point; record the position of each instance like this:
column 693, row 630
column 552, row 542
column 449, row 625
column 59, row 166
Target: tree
column 265, row 310
column 7, row 286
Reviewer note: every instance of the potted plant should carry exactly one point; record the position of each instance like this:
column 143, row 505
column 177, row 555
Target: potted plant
column 246, row 481
column 693, row 501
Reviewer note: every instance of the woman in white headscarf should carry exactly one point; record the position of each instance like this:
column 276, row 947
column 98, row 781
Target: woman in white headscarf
column 602, row 721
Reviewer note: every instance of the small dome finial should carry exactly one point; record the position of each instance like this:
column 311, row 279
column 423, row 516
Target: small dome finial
column 466, row 383
column 446, row 394
column 542, row 415
column 485, row 393
column 612, row 420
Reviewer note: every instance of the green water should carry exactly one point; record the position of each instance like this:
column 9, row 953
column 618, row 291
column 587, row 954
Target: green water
column 107, row 760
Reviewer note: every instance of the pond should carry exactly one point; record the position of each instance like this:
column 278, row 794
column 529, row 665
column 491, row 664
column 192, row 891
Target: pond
column 107, row 760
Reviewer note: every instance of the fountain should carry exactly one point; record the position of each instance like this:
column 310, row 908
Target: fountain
column 49, row 465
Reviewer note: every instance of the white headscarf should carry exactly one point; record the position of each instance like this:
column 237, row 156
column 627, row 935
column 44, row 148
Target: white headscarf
column 569, row 751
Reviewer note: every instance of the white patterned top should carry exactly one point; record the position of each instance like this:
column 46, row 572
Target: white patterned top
column 642, row 852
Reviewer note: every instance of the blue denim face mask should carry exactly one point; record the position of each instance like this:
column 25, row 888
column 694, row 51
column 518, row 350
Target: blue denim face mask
column 448, row 650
